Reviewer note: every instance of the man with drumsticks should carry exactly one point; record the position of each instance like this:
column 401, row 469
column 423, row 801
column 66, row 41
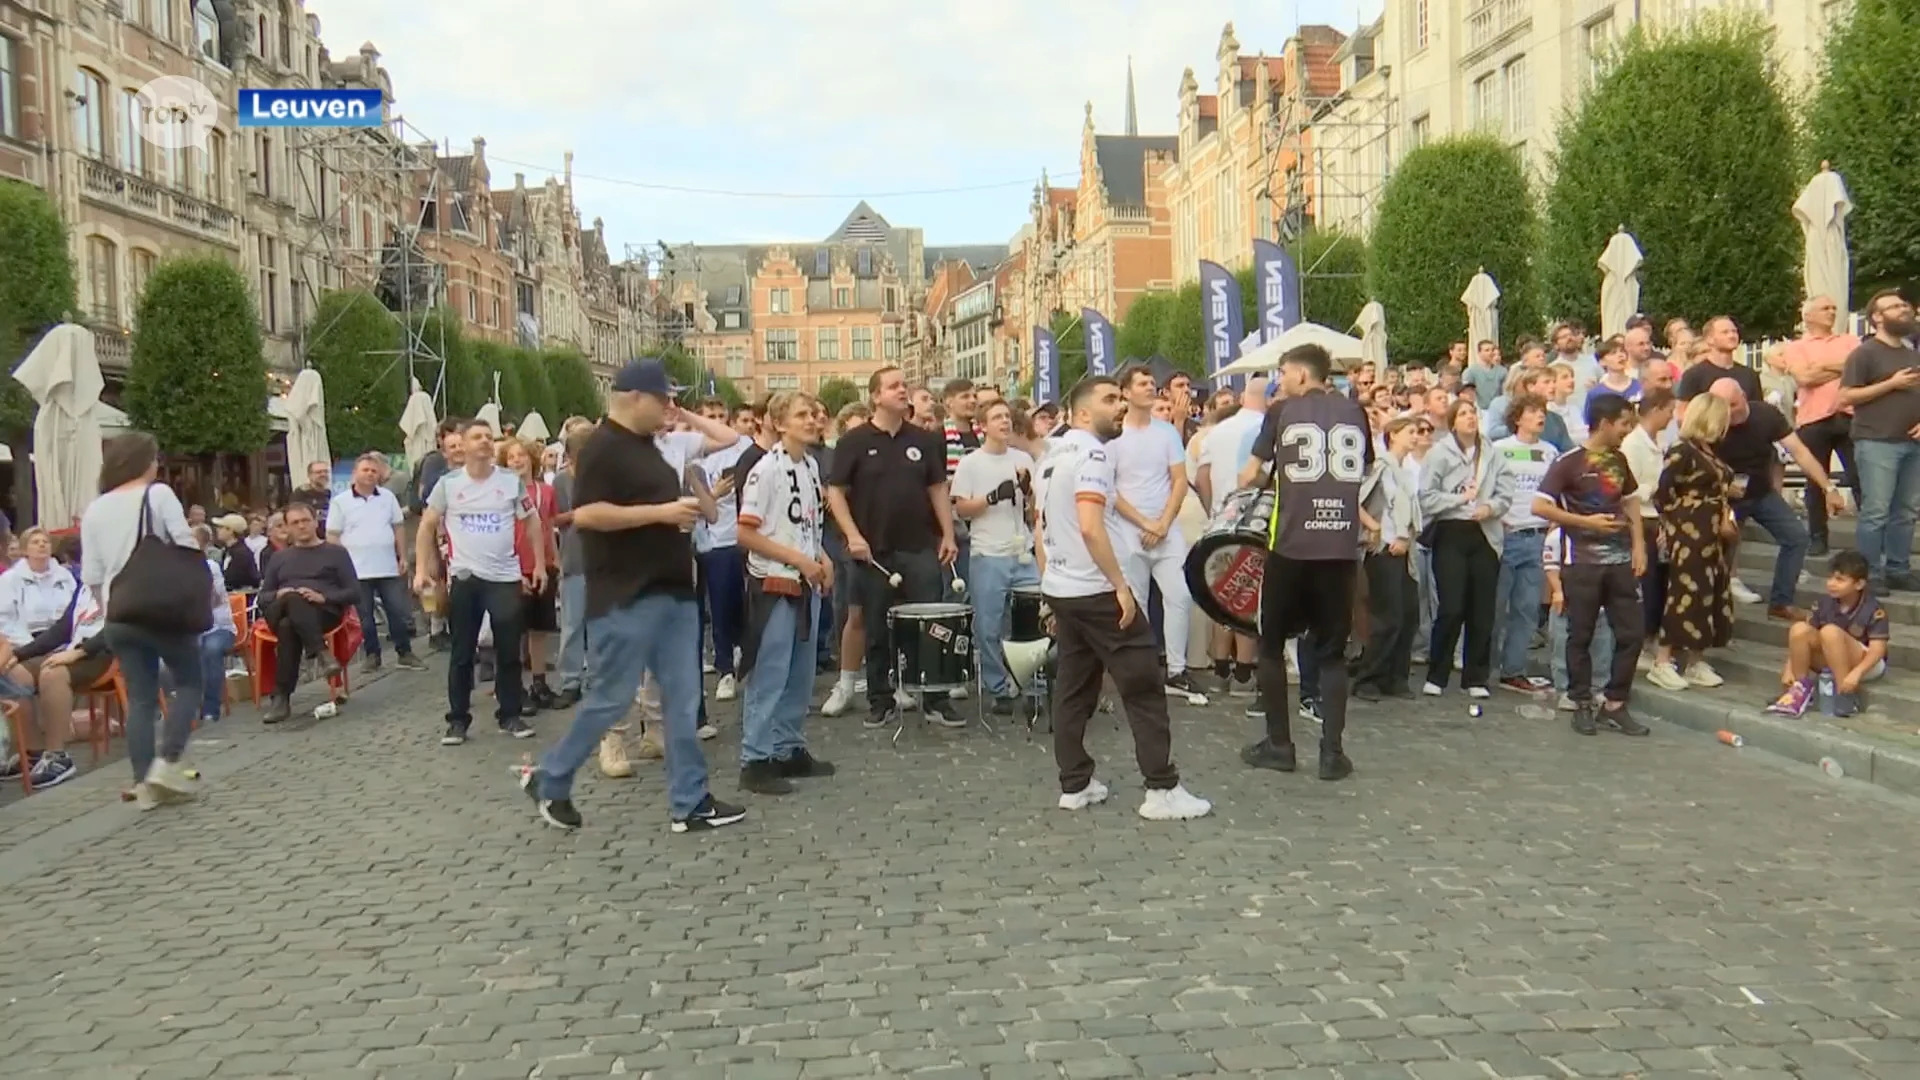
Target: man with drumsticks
column 1316, row 442
column 992, row 490
column 888, row 494
column 1100, row 627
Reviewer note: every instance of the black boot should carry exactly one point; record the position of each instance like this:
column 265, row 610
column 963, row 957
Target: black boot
column 1334, row 764
column 763, row 778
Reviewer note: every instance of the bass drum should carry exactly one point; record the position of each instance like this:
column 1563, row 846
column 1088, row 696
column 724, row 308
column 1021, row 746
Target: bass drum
column 933, row 646
column 1026, row 619
column 1226, row 565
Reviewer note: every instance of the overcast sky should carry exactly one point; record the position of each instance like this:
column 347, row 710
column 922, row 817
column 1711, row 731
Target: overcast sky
column 894, row 101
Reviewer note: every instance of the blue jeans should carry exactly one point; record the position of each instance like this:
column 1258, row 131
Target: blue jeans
column 992, row 578
column 1516, row 599
column 141, row 652
column 1601, row 650
column 646, row 634
column 1889, row 499
column 573, row 632
column 724, row 571
column 780, row 686
column 391, row 592
column 1772, row 513
column 214, row 646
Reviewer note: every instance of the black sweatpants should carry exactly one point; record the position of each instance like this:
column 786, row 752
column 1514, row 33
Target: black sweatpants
column 1466, row 575
column 1825, row 438
column 1592, row 588
column 301, row 627
column 1393, row 620
column 922, row 581
column 1092, row 646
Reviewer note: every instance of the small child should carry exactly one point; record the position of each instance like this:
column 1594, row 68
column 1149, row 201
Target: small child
column 1602, row 647
column 1847, row 636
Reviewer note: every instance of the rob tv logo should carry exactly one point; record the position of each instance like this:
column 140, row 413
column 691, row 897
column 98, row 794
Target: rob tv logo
column 309, row 108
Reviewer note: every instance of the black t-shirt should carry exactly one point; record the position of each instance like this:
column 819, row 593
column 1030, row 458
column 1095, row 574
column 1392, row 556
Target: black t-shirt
column 741, row 468
column 1700, row 378
column 886, row 480
column 622, row 467
column 1748, row 450
column 1320, row 450
column 1891, row 415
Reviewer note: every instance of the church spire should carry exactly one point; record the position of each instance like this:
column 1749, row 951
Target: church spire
column 1133, row 115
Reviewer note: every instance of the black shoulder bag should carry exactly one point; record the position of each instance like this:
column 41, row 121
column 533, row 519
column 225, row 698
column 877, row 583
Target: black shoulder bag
column 164, row 588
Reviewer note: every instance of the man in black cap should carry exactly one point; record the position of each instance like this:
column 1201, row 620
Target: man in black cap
column 636, row 537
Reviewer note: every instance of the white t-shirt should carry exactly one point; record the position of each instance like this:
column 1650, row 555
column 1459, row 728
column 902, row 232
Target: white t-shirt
column 1001, row 531
column 782, row 500
column 111, row 525
column 1226, row 451
column 680, row 448
column 365, row 525
column 721, row 533
column 480, row 516
column 1142, row 458
column 1079, row 470
column 1526, row 463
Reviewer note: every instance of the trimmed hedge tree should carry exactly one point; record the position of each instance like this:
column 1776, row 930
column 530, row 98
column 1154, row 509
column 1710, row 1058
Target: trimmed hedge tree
column 536, row 390
column 495, row 359
column 355, row 345
column 1452, row 208
column 1139, row 335
column 837, row 394
column 466, row 387
column 1686, row 139
column 37, row 289
column 197, row 380
column 1333, row 277
column 574, row 391
column 1861, row 120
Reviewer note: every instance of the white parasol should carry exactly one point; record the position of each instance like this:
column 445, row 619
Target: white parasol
column 1619, row 283
column 417, row 424
column 63, row 375
column 489, row 414
column 532, row 426
column 1372, row 324
column 1345, row 350
column 1822, row 210
column 1483, row 309
column 307, row 424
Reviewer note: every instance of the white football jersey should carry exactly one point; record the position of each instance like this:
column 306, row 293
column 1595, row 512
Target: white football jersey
column 782, row 500
column 1079, row 470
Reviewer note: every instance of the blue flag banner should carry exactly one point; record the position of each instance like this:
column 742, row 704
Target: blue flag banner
column 1278, row 280
column 1102, row 342
column 1046, row 366
column 1220, row 318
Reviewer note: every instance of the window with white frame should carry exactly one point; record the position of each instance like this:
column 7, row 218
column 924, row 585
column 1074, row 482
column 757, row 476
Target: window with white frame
column 863, row 343
column 730, row 320
column 1596, row 40
column 103, row 278
column 890, row 343
column 736, row 361
column 269, row 285
column 206, row 32
column 214, row 161
column 1422, row 24
column 9, row 88
column 90, row 114
column 843, row 298
column 783, row 346
column 143, row 262
column 132, row 145
column 777, row 383
column 780, row 301
column 1519, row 88
column 1483, row 102
column 1419, row 133
column 160, row 18
column 826, row 345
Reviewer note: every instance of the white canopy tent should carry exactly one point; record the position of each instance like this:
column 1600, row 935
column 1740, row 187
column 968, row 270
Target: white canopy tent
column 1345, row 349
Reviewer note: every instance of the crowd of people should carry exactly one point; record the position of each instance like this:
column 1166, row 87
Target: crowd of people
column 1419, row 539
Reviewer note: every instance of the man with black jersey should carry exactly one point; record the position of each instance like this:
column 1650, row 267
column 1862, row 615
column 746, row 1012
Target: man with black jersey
column 1317, row 443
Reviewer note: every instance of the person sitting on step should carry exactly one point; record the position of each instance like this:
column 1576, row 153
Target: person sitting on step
column 1847, row 636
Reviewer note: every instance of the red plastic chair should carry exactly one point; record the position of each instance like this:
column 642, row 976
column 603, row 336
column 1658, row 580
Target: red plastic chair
column 104, row 698
column 343, row 641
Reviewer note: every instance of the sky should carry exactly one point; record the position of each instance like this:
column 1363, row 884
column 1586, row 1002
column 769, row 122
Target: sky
column 778, row 115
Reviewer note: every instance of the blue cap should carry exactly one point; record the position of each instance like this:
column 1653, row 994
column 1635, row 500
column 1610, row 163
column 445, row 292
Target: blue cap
column 645, row 377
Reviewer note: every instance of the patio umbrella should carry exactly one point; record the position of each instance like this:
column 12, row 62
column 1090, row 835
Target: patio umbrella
column 532, row 426
column 63, row 375
column 1619, row 283
column 1822, row 210
column 307, row 424
column 490, row 415
column 1483, row 309
column 1372, row 324
column 417, row 424
column 1345, row 350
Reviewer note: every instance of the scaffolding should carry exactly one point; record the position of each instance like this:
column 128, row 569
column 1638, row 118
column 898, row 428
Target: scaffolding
column 388, row 175
column 665, row 321
column 1321, row 150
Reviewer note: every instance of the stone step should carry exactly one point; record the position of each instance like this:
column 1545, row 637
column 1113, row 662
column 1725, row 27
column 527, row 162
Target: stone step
column 1841, row 533
column 1751, row 625
column 1752, row 672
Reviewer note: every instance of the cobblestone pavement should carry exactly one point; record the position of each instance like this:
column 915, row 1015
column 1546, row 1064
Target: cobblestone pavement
column 1487, row 898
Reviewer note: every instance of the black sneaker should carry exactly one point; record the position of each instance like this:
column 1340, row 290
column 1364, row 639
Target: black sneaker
column 1817, row 548
column 1622, row 721
column 943, row 715
column 558, row 813
column 763, row 778
column 1266, row 754
column 566, row 699
column 1256, row 714
column 278, row 710
column 1583, row 722
column 1182, row 685
column 1310, row 710
column 542, row 695
column 881, row 718
column 456, row 734
column 1335, row 765
column 441, row 642
column 1368, row 693
column 516, row 727
column 710, row 814
column 803, row 764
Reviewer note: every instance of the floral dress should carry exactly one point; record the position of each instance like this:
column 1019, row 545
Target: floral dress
column 1692, row 500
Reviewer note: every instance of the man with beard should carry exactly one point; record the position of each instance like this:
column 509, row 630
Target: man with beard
column 1880, row 384
column 1101, row 628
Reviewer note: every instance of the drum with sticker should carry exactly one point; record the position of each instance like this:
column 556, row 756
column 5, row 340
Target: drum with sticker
column 932, row 646
column 1227, row 564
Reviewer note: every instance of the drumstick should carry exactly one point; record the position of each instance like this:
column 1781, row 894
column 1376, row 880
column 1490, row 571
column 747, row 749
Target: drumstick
column 893, row 579
column 959, row 586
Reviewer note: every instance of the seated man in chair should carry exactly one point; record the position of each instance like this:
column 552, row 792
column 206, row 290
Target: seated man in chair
column 304, row 594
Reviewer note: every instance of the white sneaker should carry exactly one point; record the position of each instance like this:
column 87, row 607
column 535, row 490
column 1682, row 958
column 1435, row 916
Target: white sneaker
column 838, row 700
column 1567, row 704
column 707, row 731
column 145, row 797
column 1666, row 678
column 1479, row 692
column 904, row 700
column 1432, row 690
column 1093, row 794
column 707, row 668
column 1742, row 593
column 170, row 782
column 1701, row 674
column 726, row 690
column 1174, row 804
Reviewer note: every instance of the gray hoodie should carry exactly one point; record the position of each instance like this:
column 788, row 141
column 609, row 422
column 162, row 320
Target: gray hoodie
column 1444, row 477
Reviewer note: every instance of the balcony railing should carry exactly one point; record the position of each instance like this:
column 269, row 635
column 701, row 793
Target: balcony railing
column 106, row 184
column 1489, row 19
column 112, row 345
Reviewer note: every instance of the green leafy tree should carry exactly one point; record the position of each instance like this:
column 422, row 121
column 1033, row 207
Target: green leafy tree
column 536, row 388
column 354, row 343
column 837, row 394
column 1333, row 277
column 1687, row 141
column 496, row 361
column 37, row 289
column 1452, row 208
column 1070, row 347
column 1861, row 121
column 574, row 391
column 463, row 384
column 1183, row 337
column 197, row 380
column 1139, row 335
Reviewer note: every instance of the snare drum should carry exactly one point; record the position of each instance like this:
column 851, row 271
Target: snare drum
column 1227, row 564
column 1024, row 622
column 933, row 645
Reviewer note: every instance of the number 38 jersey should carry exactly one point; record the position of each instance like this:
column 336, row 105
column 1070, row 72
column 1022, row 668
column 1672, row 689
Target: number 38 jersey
column 781, row 500
column 1321, row 451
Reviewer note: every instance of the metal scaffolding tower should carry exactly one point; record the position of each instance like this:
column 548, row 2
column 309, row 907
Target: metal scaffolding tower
column 1326, row 153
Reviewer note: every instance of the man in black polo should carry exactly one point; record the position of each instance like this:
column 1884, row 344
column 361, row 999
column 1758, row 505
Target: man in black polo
column 888, row 494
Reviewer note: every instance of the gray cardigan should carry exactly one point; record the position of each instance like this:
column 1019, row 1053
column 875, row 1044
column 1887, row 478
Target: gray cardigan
column 1444, row 476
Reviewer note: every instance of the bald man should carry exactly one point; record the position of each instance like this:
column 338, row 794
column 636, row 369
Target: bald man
column 1749, row 449
column 1816, row 360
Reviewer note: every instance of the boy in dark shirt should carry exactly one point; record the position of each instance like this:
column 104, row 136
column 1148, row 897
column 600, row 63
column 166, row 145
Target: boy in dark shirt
column 1846, row 636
